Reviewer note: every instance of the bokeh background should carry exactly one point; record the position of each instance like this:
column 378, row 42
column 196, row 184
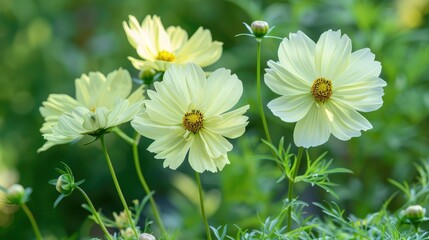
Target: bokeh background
column 45, row 45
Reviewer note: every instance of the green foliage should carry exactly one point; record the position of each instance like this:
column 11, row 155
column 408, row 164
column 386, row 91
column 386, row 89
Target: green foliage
column 419, row 193
column 336, row 224
column 317, row 170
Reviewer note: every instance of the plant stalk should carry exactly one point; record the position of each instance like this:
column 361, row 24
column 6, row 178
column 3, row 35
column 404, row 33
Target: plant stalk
column 95, row 213
column 32, row 221
column 118, row 188
column 203, row 213
column 258, row 89
column 144, row 184
column 123, row 135
column 295, row 169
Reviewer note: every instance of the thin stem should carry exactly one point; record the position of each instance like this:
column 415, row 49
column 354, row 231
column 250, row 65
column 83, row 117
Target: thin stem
column 123, row 135
column 145, row 186
column 118, row 188
column 203, row 213
column 295, row 169
column 260, row 105
column 32, row 221
column 258, row 89
column 95, row 213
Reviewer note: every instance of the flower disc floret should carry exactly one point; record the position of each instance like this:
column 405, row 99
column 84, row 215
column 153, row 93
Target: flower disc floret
column 189, row 115
column 193, row 120
column 321, row 89
column 165, row 56
column 323, row 86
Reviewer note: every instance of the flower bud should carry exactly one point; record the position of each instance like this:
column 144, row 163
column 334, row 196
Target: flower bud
column 128, row 233
column 415, row 213
column 259, row 28
column 16, row 194
column 65, row 184
column 146, row 236
column 121, row 219
column 147, row 75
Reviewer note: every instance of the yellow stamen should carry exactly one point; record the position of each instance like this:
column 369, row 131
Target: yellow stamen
column 165, row 56
column 193, row 120
column 321, row 89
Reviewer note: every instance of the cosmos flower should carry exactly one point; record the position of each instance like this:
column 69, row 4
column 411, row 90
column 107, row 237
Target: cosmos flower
column 158, row 48
column 188, row 114
column 324, row 86
column 101, row 102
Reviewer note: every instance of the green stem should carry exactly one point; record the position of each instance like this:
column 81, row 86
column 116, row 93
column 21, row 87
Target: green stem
column 203, row 213
column 118, row 188
column 95, row 213
column 260, row 105
column 295, row 169
column 145, row 186
column 123, row 135
column 258, row 89
column 32, row 221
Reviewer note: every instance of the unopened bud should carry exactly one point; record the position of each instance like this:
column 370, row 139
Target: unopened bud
column 259, row 28
column 121, row 219
column 65, row 184
column 147, row 75
column 128, row 233
column 15, row 194
column 146, row 236
column 415, row 213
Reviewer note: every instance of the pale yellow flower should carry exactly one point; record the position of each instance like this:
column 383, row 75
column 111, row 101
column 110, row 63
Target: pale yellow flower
column 101, row 102
column 411, row 13
column 323, row 85
column 187, row 114
column 158, row 47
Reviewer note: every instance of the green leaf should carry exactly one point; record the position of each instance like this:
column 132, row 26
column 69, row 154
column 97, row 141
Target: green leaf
column 405, row 188
column 59, row 198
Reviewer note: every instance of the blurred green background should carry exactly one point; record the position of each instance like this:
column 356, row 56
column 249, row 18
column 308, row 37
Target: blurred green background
column 45, row 45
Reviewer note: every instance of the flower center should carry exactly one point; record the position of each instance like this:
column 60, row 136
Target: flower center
column 321, row 89
column 165, row 56
column 193, row 120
